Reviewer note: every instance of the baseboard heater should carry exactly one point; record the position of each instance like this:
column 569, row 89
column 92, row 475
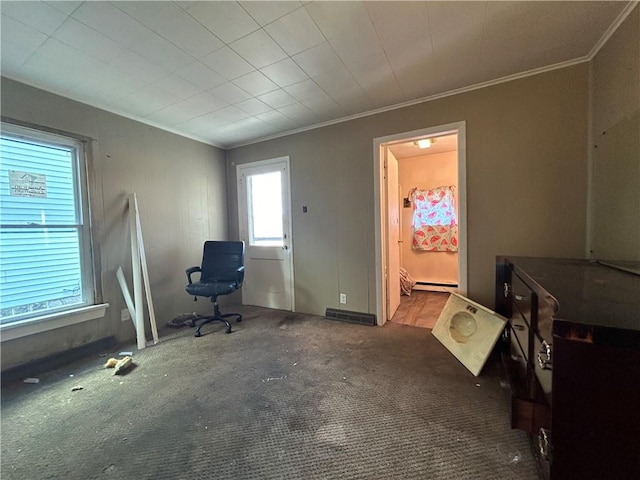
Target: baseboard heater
column 434, row 284
column 351, row 317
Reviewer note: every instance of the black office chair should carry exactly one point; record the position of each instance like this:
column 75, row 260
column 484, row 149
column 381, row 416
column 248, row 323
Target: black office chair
column 221, row 273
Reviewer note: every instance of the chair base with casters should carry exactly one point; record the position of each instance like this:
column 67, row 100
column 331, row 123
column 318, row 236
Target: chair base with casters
column 216, row 317
column 221, row 273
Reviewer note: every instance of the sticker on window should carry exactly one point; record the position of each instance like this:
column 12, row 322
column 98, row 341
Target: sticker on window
column 25, row 184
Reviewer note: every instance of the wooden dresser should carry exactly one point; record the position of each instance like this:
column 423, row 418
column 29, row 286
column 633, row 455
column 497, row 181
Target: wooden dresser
column 572, row 353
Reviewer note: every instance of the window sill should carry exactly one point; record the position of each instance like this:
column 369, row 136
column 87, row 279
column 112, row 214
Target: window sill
column 32, row 326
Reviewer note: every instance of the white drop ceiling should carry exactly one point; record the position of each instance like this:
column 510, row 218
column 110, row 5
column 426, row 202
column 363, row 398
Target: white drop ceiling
column 231, row 73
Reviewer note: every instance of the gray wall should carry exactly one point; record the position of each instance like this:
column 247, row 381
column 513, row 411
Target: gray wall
column 615, row 146
column 181, row 189
column 526, row 184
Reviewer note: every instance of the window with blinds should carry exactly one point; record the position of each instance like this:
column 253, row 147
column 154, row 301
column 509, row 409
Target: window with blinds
column 44, row 237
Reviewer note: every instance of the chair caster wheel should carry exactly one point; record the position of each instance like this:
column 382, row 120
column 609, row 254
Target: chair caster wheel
column 197, row 334
column 228, row 330
column 239, row 319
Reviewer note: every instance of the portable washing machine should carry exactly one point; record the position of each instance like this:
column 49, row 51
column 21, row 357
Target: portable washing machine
column 469, row 331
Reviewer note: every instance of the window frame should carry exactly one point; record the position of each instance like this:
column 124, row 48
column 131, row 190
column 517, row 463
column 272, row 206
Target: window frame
column 90, row 306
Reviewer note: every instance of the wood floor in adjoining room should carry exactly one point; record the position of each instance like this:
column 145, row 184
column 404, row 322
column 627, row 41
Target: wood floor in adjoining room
column 420, row 309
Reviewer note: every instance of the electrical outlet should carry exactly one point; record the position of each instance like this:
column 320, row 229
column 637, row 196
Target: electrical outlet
column 343, row 298
column 124, row 315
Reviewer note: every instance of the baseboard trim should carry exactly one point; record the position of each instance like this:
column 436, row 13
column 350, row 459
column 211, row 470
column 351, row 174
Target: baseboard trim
column 56, row 360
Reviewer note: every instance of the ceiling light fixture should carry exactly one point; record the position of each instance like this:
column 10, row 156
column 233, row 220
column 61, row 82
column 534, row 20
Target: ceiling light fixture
column 425, row 142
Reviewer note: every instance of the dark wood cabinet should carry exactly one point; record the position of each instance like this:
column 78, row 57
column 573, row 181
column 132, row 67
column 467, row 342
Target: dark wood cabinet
column 572, row 353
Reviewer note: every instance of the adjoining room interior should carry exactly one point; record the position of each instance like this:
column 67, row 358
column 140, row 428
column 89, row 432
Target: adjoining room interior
column 426, row 164
column 149, row 120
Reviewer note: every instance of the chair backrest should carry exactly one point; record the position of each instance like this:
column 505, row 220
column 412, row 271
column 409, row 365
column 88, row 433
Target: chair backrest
column 221, row 260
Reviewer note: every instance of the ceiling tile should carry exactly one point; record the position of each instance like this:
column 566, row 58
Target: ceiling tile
column 230, row 92
column 295, row 32
column 138, row 67
column 255, row 83
column 275, row 118
column 336, row 19
column 416, row 79
column 42, row 71
column 177, row 86
column 336, row 80
column 253, row 106
column 147, row 100
column 171, row 115
column 351, row 100
column 277, row 99
column 40, row 16
column 258, row 49
column 352, row 48
column 321, row 103
column 407, row 62
column 228, row 63
column 318, row 60
column 400, row 29
column 200, row 104
column 372, row 71
column 296, row 111
column 201, row 76
column 88, row 40
column 189, row 35
column 163, row 52
column 18, row 42
column 72, row 64
column 266, row 12
column 112, row 22
column 149, row 13
column 227, row 20
column 285, row 72
column 229, row 114
column 304, row 90
column 64, row 6
column 446, row 15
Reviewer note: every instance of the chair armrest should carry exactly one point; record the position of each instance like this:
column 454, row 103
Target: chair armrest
column 240, row 276
column 191, row 271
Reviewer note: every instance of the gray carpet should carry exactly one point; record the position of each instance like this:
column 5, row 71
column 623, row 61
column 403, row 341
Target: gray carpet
column 285, row 396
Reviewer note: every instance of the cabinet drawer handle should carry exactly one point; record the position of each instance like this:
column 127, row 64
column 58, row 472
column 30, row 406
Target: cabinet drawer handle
column 544, row 445
column 521, row 298
column 544, row 356
column 517, row 326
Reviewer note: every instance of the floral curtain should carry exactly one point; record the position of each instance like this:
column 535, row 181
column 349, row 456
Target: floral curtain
column 435, row 228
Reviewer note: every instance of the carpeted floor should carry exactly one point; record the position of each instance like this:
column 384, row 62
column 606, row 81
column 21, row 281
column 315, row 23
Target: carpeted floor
column 285, row 396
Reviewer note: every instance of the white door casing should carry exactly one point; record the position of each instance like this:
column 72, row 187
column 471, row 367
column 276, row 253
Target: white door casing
column 264, row 215
column 381, row 205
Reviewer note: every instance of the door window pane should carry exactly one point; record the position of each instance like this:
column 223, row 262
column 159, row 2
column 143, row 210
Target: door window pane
column 265, row 209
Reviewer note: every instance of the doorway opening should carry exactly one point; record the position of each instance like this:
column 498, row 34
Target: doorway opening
column 410, row 186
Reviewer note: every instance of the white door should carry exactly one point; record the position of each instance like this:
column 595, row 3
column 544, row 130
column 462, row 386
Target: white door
column 393, row 228
column 265, row 226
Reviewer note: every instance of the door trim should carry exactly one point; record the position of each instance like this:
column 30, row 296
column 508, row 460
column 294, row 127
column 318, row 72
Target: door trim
column 380, row 205
column 287, row 178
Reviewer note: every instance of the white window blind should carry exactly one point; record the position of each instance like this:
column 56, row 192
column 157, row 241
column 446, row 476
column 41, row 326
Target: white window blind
column 44, row 236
